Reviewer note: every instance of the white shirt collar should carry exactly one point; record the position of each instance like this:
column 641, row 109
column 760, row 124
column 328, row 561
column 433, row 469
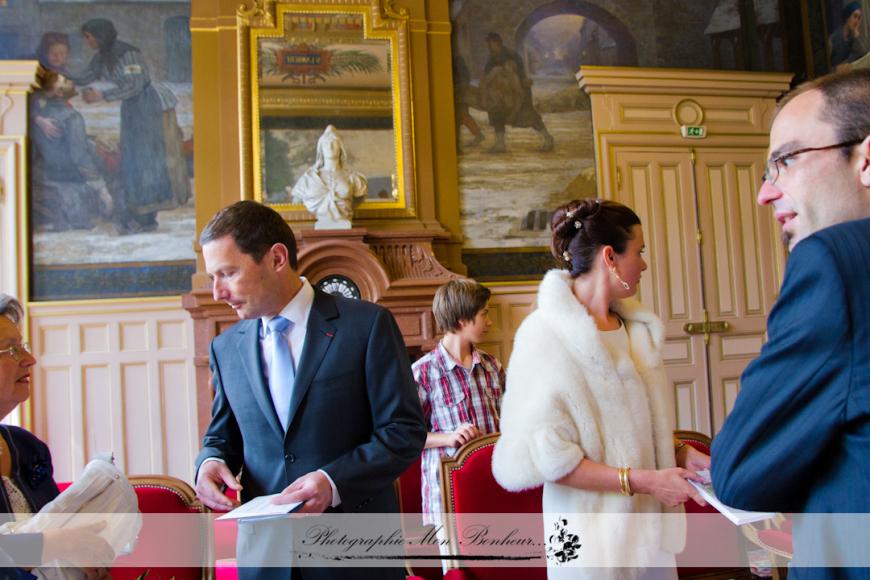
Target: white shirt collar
column 297, row 310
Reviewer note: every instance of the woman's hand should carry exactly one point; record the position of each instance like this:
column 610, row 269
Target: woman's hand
column 669, row 486
column 692, row 459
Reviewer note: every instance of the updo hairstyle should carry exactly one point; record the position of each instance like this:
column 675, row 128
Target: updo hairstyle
column 580, row 227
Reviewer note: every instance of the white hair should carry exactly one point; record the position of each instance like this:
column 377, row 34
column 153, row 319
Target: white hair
column 11, row 308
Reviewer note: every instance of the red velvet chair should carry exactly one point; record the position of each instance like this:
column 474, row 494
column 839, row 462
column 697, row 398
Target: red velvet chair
column 468, row 487
column 163, row 494
column 717, row 532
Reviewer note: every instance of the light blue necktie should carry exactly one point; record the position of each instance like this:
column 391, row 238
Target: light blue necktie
column 282, row 373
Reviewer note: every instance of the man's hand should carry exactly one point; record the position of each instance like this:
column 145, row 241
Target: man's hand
column 213, row 476
column 313, row 489
column 81, row 546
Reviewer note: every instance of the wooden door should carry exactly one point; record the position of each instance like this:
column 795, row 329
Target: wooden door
column 742, row 261
column 657, row 184
column 713, row 257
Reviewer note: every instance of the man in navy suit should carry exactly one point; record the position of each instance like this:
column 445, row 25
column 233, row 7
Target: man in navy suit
column 798, row 439
column 351, row 422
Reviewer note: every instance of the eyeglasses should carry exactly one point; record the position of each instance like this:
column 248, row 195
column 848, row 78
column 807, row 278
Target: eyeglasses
column 16, row 351
column 779, row 164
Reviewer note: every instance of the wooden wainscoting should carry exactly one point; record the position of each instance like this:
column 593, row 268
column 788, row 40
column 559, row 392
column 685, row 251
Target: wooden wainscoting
column 115, row 376
column 509, row 305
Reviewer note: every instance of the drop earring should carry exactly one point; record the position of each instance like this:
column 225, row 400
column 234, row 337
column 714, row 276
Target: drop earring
column 621, row 281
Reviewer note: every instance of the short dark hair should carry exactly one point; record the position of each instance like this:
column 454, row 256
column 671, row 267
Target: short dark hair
column 254, row 228
column 846, row 98
column 494, row 37
column 580, row 227
column 458, row 300
column 11, row 308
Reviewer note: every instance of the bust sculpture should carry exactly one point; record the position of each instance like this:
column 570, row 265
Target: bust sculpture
column 330, row 189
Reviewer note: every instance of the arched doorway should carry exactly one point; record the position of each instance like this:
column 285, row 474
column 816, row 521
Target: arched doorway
column 599, row 37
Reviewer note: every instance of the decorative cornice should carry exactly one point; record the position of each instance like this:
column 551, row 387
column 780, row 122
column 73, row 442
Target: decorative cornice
column 389, row 11
column 261, row 13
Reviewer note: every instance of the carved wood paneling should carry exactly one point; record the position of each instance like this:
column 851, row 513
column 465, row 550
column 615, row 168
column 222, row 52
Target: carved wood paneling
column 115, row 377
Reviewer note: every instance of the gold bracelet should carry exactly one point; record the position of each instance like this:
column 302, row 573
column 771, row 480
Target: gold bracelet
column 624, row 485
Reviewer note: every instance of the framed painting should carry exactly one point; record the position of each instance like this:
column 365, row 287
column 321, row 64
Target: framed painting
column 318, row 65
column 111, row 196
column 524, row 127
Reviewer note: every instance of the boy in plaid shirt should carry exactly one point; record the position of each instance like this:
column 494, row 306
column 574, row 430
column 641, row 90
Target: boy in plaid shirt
column 460, row 386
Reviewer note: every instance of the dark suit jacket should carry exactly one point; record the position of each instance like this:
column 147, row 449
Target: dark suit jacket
column 354, row 411
column 798, row 439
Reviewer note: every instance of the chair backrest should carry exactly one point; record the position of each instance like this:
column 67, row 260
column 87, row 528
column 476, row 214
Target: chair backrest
column 696, row 439
column 162, row 494
column 468, row 487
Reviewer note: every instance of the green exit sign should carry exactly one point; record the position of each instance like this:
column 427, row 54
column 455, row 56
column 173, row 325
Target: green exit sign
column 693, row 131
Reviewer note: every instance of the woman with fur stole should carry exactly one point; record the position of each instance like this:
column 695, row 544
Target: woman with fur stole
column 588, row 411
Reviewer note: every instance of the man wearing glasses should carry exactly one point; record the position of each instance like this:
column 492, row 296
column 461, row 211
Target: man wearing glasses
column 798, row 439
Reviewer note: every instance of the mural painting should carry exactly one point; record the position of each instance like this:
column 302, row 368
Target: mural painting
column 523, row 125
column 112, row 210
column 524, row 128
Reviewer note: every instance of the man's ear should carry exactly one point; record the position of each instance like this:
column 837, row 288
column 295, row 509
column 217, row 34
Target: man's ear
column 863, row 162
column 279, row 256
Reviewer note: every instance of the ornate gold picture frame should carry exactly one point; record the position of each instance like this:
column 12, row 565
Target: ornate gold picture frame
column 305, row 65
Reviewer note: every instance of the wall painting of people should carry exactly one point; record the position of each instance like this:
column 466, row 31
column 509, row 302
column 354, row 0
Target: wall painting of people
column 112, row 211
column 523, row 125
column 524, row 128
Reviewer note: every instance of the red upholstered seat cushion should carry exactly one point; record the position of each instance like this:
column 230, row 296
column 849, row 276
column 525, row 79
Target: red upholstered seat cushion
column 776, row 539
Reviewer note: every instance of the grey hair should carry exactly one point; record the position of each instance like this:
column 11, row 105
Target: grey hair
column 11, row 308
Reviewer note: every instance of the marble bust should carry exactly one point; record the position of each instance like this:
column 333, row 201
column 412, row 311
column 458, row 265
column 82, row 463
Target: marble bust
column 330, row 189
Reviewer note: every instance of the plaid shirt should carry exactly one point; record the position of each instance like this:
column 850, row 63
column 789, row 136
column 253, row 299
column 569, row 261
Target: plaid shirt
column 452, row 395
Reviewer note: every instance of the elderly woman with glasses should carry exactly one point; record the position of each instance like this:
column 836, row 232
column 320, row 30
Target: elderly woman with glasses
column 26, row 470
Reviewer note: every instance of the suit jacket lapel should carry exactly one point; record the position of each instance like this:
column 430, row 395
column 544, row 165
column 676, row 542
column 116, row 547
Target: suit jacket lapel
column 249, row 352
column 318, row 337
